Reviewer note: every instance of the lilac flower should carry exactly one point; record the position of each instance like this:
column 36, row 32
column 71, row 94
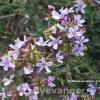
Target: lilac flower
column 78, row 50
column 78, row 20
column 66, row 11
column 41, row 42
column 44, row 65
column 8, row 81
column 56, row 15
column 59, row 57
column 80, row 6
column 50, row 80
column 72, row 97
column 55, row 42
column 16, row 47
column 7, row 63
column 28, row 70
column 19, row 43
column 62, row 14
column 81, row 40
column 91, row 89
column 51, row 7
column 34, row 94
column 15, row 52
column 24, row 89
column 74, row 32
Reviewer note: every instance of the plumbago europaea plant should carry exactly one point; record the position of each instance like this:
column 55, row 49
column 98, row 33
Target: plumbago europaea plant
column 29, row 62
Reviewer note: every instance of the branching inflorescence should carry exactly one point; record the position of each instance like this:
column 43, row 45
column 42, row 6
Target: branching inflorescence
column 33, row 58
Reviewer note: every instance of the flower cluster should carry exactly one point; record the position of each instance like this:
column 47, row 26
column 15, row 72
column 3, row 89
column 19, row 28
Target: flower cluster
column 30, row 57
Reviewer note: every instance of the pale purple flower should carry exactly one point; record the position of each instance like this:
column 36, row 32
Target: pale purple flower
column 91, row 89
column 59, row 57
column 62, row 14
column 28, row 70
column 53, row 29
column 51, row 7
column 8, row 81
column 16, row 47
column 19, row 43
column 78, row 50
column 24, row 89
column 72, row 97
column 44, row 65
column 74, row 32
column 66, row 11
column 7, row 63
column 55, row 42
column 50, row 81
column 81, row 40
column 34, row 94
column 79, row 6
column 56, row 15
column 78, row 20
column 15, row 52
column 41, row 42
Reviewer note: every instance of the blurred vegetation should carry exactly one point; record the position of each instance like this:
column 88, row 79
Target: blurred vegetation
column 17, row 15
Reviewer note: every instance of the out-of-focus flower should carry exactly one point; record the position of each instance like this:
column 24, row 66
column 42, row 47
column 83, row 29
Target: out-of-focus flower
column 59, row 57
column 7, row 63
column 97, row 1
column 78, row 50
column 51, row 7
column 41, row 42
column 78, row 21
column 79, row 6
column 91, row 89
column 50, row 81
column 28, row 70
column 34, row 94
column 72, row 97
column 55, row 42
column 5, row 94
column 54, row 29
column 8, row 81
column 24, row 89
column 44, row 65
